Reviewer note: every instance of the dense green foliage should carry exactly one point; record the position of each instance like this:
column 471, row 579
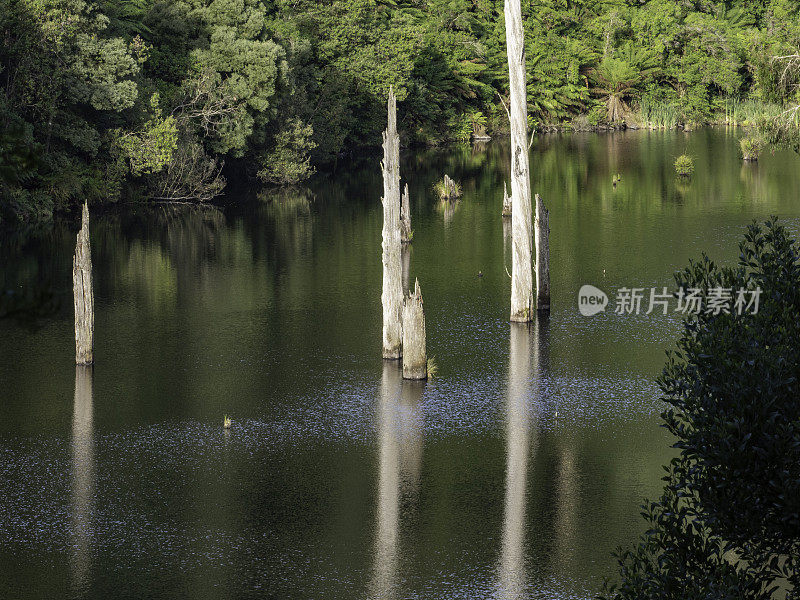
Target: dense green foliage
column 152, row 98
column 728, row 524
column 684, row 165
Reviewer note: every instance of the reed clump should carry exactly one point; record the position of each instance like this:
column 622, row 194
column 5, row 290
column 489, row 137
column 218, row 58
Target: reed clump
column 684, row 165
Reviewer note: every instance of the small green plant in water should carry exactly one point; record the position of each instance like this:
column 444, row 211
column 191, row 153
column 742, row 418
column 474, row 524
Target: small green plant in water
column 433, row 368
column 226, row 422
column 684, row 165
column 751, row 146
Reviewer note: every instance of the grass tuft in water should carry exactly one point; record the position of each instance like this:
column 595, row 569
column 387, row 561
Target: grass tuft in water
column 751, row 147
column 447, row 189
column 684, row 165
column 433, row 368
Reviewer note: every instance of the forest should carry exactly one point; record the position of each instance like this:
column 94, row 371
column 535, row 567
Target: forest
column 178, row 100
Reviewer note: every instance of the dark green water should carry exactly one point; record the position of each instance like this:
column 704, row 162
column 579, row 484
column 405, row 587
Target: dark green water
column 514, row 474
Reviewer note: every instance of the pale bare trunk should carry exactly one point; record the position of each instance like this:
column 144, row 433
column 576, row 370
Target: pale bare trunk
column 542, row 256
column 405, row 255
column 83, row 294
column 405, row 218
column 521, row 219
column 392, row 295
column 506, row 201
column 415, row 359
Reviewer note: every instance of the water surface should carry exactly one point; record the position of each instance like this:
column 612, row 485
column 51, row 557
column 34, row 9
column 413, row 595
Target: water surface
column 514, row 474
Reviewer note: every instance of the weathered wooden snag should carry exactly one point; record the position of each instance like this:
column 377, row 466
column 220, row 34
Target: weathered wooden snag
column 405, row 218
column 542, row 256
column 83, row 294
column 506, row 202
column 521, row 274
column 448, row 189
column 415, row 359
column 392, row 295
column 405, row 256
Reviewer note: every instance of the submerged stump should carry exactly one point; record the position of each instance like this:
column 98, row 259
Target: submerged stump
column 542, row 256
column 506, row 201
column 392, row 294
column 448, row 189
column 83, row 294
column 405, row 218
column 415, row 358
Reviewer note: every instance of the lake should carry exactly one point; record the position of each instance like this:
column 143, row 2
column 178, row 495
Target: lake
column 513, row 474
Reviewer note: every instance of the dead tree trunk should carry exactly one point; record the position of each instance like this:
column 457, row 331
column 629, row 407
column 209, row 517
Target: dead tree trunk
column 405, row 255
column 392, row 295
column 521, row 274
column 405, row 218
column 542, row 256
column 449, row 186
column 415, row 359
column 83, row 294
column 506, row 202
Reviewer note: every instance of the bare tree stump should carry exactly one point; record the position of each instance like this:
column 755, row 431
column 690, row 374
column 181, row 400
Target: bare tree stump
column 415, row 359
column 392, row 295
column 83, row 294
column 449, row 186
column 405, row 218
column 521, row 218
column 542, row 256
column 506, row 202
column 448, row 189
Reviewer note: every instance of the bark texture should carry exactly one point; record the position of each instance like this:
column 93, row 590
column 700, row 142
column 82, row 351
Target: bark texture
column 542, row 256
column 521, row 219
column 405, row 256
column 415, row 358
column 83, row 294
column 405, row 218
column 392, row 295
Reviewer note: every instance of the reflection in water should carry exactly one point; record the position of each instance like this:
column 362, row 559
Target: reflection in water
column 448, row 209
column 522, row 402
column 410, row 420
column 400, row 457
column 564, row 543
column 82, row 479
column 388, row 483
